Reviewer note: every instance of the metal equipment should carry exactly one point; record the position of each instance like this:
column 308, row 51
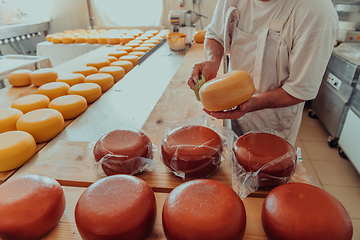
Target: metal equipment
column 349, row 20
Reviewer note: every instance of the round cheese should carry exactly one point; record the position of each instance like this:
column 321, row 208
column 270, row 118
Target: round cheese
column 112, row 59
column 116, row 207
column 127, row 38
column 114, row 40
column 104, row 80
column 141, row 49
column 137, row 53
column 92, row 39
column 103, row 40
column 118, row 54
column 153, row 41
column 149, row 45
column 56, row 39
column 42, row 76
column 124, row 48
column 139, row 41
column 16, row 148
column 42, row 124
column 115, row 71
column 68, row 39
column 143, row 38
column 126, row 65
column 70, row 106
column 300, row 211
column 71, row 79
column 90, row 91
column 86, row 71
column 8, row 119
column 99, row 63
column 69, row 32
column 30, row 207
column 133, row 44
column 20, row 78
column 203, row 209
column 131, row 58
column 54, row 89
column 157, row 40
column 31, row 102
column 152, row 32
column 49, row 37
column 81, row 39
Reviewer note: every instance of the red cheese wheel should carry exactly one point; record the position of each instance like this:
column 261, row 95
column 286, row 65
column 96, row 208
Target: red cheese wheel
column 255, row 151
column 118, row 147
column 116, row 207
column 203, row 209
column 298, row 211
column 192, row 150
column 30, row 206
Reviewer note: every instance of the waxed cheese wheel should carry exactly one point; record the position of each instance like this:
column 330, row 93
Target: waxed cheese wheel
column 118, row 54
column 131, row 58
column 81, row 39
column 71, row 79
column 115, row 71
column 137, row 53
column 137, row 41
column 86, row 71
column 271, row 154
column 298, row 211
column 31, row 102
column 16, row 148
column 153, row 41
column 133, row 44
column 112, row 59
column 104, row 80
column 70, row 106
column 124, row 48
column 54, row 89
column 123, row 149
column 49, row 37
column 90, row 91
column 68, row 39
column 42, row 124
column 203, row 209
column 103, row 40
column 114, row 40
column 56, row 39
column 30, row 207
column 20, row 78
column 8, row 119
column 142, row 49
column 143, row 38
column 126, row 65
column 98, row 63
column 92, row 39
column 116, row 207
column 42, row 76
column 149, row 45
column 127, row 38
column 193, row 151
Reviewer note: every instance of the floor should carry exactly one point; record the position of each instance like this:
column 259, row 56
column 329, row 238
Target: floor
column 327, row 170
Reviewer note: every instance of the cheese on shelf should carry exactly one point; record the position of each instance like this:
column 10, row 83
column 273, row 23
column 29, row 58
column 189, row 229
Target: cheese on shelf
column 70, row 106
column 56, row 39
column 126, row 65
column 149, row 45
column 127, row 38
column 104, row 80
column 118, row 54
column 49, row 37
column 31, row 102
column 81, row 39
column 141, row 49
column 133, row 44
column 71, row 79
column 114, row 40
column 68, row 39
column 112, row 59
column 54, row 89
column 42, row 76
column 98, row 63
column 124, row 48
column 131, row 58
column 20, row 78
column 90, row 91
column 137, row 53
column 92, row 39
column 86, row 71
column 103, row 40
column 8, row 119
column 115, row 71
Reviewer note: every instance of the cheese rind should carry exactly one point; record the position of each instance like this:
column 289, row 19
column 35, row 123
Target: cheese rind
column 104, row 80
column 8, row 119
column 118, row 54
column 115, row 71
column 90, row 91
column 98, row 63
column 70, row 106
column 126, row 65
column 71, row 79
column 131, row 58
column 31, row 102
column 125, row 48
column 86, row 71
column 20, row 78
column 42, row 76
column 54, row 89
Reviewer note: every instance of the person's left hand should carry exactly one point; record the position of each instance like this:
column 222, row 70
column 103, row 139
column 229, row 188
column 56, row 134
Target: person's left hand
column 234, row 113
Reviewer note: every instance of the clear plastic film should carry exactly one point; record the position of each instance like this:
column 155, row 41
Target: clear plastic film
column 111, row 163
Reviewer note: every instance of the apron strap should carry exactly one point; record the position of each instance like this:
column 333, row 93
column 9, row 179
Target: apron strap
column 276, row 24
column 232, row 15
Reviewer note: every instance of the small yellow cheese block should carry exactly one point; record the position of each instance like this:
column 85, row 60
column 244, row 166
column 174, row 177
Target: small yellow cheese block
column 112, row 59
column 70, row 106
column 90, row 91
column 56, row 39
column 8, row 119
column 133, row 45
column 127, row 38
column 124, row 48
column 137, row 53
column 54, row 89
column 71, row 79
column 115, row 71
column 68, row 39
column 104, row 80
column 86, row 71
column 126, row 65
column 16, row 148
column 42, row 76
column 42, row 124
column 92, row 39
column 131, row 58
column 20, row 78
column 141, row 49
column 114, row 40
column 149, row 45
column 99, row 63
column 103, row 40
column 118, row 54
column 31, row 102
column 81, row 39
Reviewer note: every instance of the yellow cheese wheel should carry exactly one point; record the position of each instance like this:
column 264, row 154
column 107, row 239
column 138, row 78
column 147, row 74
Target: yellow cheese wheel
column 20, row 78
column 143, row 38
column 54, row 89
column 141, row 49
column 199, row 36
column 115, row 71
column 124, row 48
column 104, row 80
column 81, row 39
column 31, row 102
column 86, row 71
column 98, row 63
column 153, row 41
column 157, row 37
column 131, row 58
column 68, row 39
column 103, row 40
column 133, row 45
column 8, row 119
column 152, row 31
column 227, row 91
column 127, row 38
column 149, row 45
column 71, row 79
column 90, row 91
column 137, row 53
column 42, row 124
column 56, row 39
column 114, row 40
column 42, row 76
column 70, row 106
column 112, row 59
column 16, row 148
column 137, row 41
column 69, row 31
column 118, row 54
column 80, row 30
column 92, row 39
column 49, row 37
column 126, row 65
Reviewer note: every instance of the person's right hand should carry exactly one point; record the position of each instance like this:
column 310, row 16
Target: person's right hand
column 207, row 68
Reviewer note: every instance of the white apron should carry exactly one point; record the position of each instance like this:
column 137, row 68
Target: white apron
column 257, row 54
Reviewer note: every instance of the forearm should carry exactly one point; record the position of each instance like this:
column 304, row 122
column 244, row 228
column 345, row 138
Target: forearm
column 214, row 51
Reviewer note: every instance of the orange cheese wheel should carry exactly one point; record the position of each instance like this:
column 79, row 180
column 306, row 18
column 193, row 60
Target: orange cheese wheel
column 124, row 48
column 114, row 40
column 126, row 65
column 99, row 63
column 103, row 40
column 115, row 71
column 153, row 41
column 149, row 45
column 70, row 106
column 199, row 36
column 8, row 119
column 118, row 54
column 69, row 32
column 142, row 49
column 90, row 91
column 137, row 53
column 131, row 58
column 81, row 39
column 71, row 79
column 104, row 80
column 112, row 59
column 143, row 38
column 31, row 102
column 157, row 40
column 32, row 205
column 49, row 37
column 68, row 39
column 127, row 38
column 152, row 31
column 42, row 124
column 133, row 44
column 54, row 89
column 139, row 41
column 86, row 71
column 56, row 39
column 116, row 207
column 42, row 76
column 20, row 78
column 92, row 40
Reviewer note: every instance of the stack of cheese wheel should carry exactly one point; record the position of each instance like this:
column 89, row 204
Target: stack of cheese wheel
column 90, row 91
column 42, row 76
column 203, row 209
column 54, row 89
column 123, row 151
column 104, row 80
column 192, row 151
column 297, row 211
column 31, row 102
column 20, row 78
column 8, row 119
column 30, row 207
column 116, row 207
column 270, row 157
column 72, row 78
column 70, row 106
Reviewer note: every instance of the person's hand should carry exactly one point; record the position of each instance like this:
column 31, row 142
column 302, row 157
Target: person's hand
column 207, row 68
